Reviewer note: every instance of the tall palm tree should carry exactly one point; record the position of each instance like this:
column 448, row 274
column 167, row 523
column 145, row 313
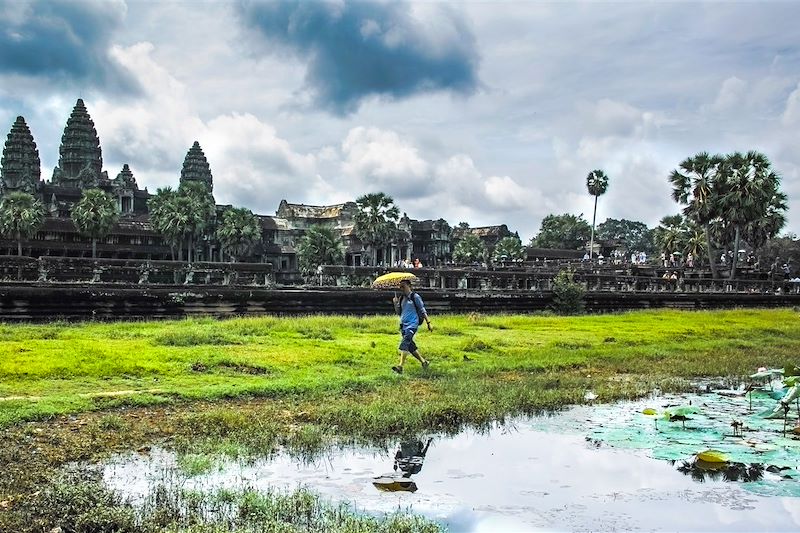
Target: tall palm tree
column 375, row 220
column 238, row 232
column 321, row 245
column 695, row 186
column 597, row 185
column 94, row 215
column 751, row 192
column 21, row 215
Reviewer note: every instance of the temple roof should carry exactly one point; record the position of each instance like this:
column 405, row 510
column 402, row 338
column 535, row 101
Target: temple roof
column 196, row 167
column 484, row 231
column 125, row 179
column 287, row 210
column 20, row 168
column 80, row 147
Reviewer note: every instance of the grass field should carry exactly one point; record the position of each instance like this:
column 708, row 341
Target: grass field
column 59, row 368
column 248, row 386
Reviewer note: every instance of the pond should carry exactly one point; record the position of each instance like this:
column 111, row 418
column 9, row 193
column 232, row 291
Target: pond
column 605, row 467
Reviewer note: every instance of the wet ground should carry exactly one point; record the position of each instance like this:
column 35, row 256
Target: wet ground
column 589, row 468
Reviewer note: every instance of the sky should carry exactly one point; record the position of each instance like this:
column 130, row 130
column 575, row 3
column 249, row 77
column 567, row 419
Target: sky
column 483, row 112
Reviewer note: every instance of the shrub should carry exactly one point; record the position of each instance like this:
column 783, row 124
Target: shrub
column 567, row 294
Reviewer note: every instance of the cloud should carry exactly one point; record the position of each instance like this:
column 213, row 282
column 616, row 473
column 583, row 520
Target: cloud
column 64, row 41
column 730, row 94
column 356, row 50
column 791, row 114
column 381, row 160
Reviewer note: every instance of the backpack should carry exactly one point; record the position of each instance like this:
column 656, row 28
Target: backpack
column 416, row 306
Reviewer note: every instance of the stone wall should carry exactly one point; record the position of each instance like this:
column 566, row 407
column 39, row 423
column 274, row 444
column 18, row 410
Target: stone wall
column 28, row 303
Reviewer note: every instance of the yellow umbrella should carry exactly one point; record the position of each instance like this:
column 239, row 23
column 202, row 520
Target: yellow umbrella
column 392, row 280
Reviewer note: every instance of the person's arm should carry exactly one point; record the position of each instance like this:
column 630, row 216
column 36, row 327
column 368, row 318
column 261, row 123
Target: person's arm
column 423, row 311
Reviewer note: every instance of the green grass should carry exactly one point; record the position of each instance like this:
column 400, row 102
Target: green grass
column 248, row 387
column 56, row 369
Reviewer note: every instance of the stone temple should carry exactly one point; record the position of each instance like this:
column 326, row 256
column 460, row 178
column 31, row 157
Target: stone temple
column 80, row 167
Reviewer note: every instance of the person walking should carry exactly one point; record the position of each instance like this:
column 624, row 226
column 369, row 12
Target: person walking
column 412, row 313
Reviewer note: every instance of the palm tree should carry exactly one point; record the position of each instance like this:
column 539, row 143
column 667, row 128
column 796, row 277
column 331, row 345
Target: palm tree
column 469, row 249
column 94, row 215
column 321, row 245
column 200, row 216
column 750, row 192
column 21, row 215
column 695, row 185
column 161, row 208
column 375, row 220
column 671, row 234
column 509, row 249
column 239, row 232
column 597, row 185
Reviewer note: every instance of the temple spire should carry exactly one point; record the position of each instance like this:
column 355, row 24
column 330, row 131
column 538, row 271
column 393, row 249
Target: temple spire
column 20, row 168
column 196, row 168
column 81, row 159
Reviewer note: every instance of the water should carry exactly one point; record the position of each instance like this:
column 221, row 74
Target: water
column 552, row 473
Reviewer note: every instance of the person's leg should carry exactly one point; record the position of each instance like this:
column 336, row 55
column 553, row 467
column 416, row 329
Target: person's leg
column 419, row 358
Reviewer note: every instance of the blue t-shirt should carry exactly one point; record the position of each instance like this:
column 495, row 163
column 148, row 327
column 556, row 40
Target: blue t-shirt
column 408, row 313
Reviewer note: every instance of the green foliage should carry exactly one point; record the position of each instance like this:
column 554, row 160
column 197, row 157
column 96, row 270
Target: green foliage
column 183, row 215
column 21, row 216
column 509, row 249
column 786, row 247
column 239, row 232
column 636, row 236
column 95, row 215
column 597, row 183
column 567, row 294
column 321, row 245
column 376, row 219
column 566, row 232
column 469, row 250
column 734, row 197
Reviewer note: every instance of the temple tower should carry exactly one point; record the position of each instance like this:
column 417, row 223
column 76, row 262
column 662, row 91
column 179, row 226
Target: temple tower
column 195, row 167
column 20, row 168
column 81, row 160
column 124, row 187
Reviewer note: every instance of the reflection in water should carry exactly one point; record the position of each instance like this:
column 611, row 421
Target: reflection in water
column 408, row 459
column 701, row 471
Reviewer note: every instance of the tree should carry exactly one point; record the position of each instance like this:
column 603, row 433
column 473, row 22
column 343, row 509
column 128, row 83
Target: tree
column 469, row 250
column 509, row 249
column 672, row 234
column 375, row 220
column 161, row 207
column 597, row 185
column 566, row 232
column 636, row 236
column 696, row 184
column 750, row 192
column 239, row 232
column 95, row 215
column 21, row 216
column 202, row 210
column 321, row 245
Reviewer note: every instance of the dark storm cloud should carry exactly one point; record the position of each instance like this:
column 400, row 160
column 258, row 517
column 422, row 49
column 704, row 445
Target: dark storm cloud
column 358, row 49
column 64, row 41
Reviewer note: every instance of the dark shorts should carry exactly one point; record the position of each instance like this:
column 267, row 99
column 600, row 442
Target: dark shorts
column 408, row 344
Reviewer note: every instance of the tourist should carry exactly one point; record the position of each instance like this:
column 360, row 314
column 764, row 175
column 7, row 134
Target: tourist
column 412, row 312
column 723, row 259
column 663, row 259
column 690, row 260
column 634, row 258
